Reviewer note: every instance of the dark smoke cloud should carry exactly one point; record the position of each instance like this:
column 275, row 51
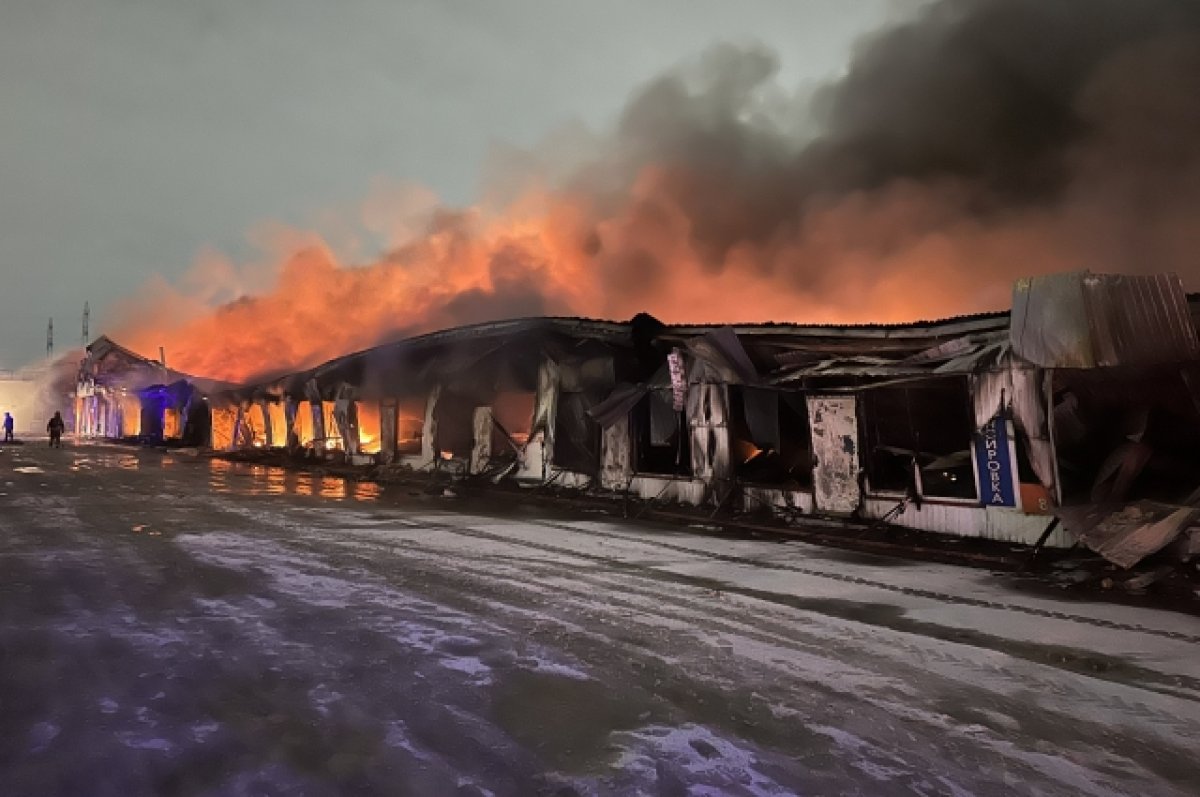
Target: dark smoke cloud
column 515, row 292
column 1066, row 121
column 989, row 91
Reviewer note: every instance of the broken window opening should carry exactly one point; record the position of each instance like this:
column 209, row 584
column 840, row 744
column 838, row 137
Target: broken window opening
column 303, row 424
column 370, row 440
column 223, row 421
column 1126, row 434
column 277, row 418
column 925, row 427
column 661, row 441
column 152, row 413
column 410, row 426
column 333, row 430
column 512, row 413
column 454, row 416
column 576, row 435
column 197, row 427
column 129, row 416
column 769, row 436
column 254, row 427
column 172, row 426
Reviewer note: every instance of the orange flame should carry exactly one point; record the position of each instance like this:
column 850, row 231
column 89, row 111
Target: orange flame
column 369, row 427
column 547, row 255
column 746, row 450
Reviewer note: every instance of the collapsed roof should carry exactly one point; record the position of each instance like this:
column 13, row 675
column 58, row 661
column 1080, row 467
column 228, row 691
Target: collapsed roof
column 1076, row 323
column 109, row 364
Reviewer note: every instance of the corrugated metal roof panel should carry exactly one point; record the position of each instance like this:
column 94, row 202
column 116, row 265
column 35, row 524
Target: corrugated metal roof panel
column 1084, row 320
column 1139, row 320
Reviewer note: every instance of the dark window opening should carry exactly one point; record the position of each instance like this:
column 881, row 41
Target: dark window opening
column 661, row 441
column 454, row 416
column 153, row 410
column 1124, row 435
column 197, row 429
column 769, row 436
column 576, row 435
column 925, row 426
column 410, row 425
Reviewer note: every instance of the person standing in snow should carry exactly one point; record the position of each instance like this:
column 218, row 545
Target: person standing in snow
column 55, row 428
column 8, row 427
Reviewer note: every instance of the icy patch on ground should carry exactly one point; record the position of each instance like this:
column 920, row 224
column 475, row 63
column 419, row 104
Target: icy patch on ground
column 272, row 778
column 42, row 735
column 202, row 731
column 553, row 668
column 693, row 760
column 555, row 579
column 454, row 639
column 322, row 697
column 398, row 736
column 470, row 665
column 139, row 742
column 863, row 755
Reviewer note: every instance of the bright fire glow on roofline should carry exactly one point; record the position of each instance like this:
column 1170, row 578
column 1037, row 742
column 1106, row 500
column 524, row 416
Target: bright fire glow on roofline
column 319, row 308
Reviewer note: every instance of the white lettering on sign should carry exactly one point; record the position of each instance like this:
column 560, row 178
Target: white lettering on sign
column 995, row 482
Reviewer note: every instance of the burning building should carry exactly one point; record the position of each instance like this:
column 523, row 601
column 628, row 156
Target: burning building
column 121, row 394
column 1080, row 405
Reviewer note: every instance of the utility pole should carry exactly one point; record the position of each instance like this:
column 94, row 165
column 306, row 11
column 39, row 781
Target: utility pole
column 86, row 313
column 50, row 340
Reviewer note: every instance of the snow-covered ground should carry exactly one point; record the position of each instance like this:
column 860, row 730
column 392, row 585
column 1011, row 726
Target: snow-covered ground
column 173, row 625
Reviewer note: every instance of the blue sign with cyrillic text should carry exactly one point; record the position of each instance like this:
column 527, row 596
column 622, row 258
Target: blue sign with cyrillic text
column 993, row 463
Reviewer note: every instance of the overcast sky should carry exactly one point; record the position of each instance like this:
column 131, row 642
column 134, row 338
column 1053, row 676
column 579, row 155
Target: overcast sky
column 135, row 132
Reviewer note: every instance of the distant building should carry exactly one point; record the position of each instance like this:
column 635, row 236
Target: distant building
column 121, row 394
column 29, row 395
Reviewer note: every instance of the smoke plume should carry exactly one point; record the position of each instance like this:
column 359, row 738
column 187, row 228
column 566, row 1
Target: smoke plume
column 980, row 141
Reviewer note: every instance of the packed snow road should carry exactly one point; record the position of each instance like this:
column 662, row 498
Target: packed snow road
column 173, row 625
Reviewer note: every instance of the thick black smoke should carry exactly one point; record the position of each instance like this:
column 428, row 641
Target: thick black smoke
column 994, row 91
column 1069, row 128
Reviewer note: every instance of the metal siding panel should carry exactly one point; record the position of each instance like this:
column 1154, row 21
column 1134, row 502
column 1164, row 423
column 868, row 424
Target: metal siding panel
column 1001, row 525
column 669, row 490
column 754, row 497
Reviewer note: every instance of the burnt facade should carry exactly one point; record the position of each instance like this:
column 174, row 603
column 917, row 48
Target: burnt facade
column 120, row 394
column 1082, row 402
